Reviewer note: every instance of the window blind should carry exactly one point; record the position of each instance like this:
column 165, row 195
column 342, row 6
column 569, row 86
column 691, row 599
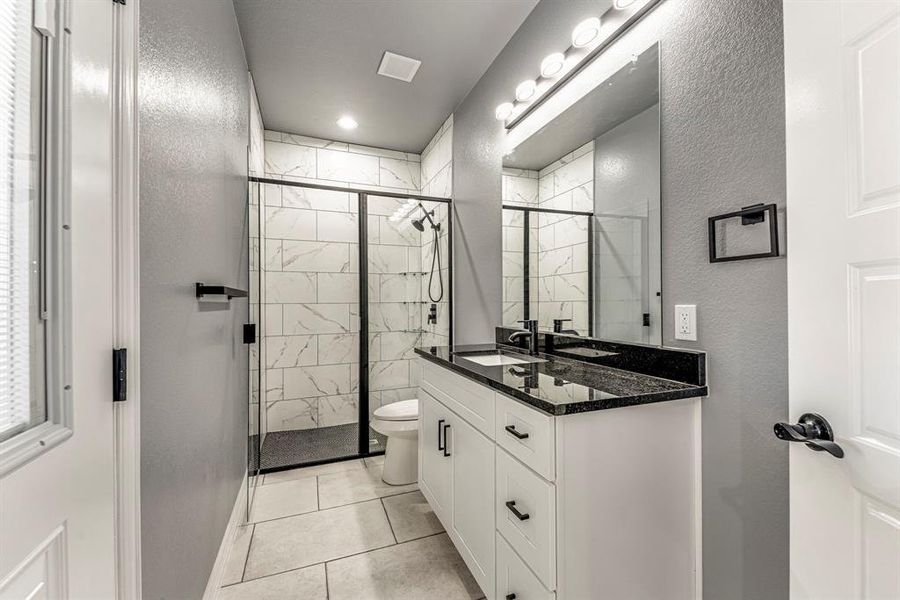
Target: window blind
column 16, row 189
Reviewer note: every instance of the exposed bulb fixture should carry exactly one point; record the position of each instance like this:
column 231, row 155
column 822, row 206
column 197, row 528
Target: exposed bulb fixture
column 503, row 111
column 553, row 65
column 525, row 90
column 347, row 122
column 620, row 4
column 586, row 32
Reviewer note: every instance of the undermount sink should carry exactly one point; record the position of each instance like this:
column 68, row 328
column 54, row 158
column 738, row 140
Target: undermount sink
column 496, row 358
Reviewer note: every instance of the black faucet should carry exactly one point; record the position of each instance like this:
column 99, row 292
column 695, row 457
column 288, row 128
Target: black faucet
column 530, row 330
column 558, row 327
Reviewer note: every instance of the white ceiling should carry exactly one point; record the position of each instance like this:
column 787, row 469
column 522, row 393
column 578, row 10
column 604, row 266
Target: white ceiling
column 315, row 60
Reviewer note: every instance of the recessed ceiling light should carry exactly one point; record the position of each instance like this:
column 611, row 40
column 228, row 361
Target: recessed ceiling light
column 399, row 67
column 620, row 4
column 525, row 90
column 347, row 122
column 503, row 111
column 553, row 64
column 586, row 32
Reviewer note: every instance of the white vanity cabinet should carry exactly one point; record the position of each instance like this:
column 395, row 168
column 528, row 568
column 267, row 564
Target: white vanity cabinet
column 593, row 505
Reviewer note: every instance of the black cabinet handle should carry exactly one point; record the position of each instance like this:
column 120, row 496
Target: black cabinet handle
column 511, row 429
column 510, row 597
column 511, row 505
column 440, row 429
column 446, row 447
column 814, row 431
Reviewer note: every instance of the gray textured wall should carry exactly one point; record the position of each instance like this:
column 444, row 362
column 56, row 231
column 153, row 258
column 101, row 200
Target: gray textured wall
column 722, row 128
column 193, row 167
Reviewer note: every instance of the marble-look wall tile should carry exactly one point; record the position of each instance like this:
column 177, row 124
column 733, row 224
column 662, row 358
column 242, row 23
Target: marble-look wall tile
column 288, row 159
column 571, row 287
column 314, row 381
column 290, row 223
column 314, row 318
column 399, row 233
column 389, row 316
column 398, row 288
column 273, row 319
column 316, row 199
column 399, row 173
column 390, row 374
column 555, row 262
column 290, row 287
column 284, row 351
column 399, row 344
column 338, row 410
column 338, row 349
column 274, row 385
column 388, row 259
column 345, row 166
column 316, row 257
column 338, row 287
column 337, row 227
column 273, row 255
column 285, row 415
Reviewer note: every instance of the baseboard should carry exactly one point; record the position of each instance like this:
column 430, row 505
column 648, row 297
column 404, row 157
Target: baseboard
column 237, row 519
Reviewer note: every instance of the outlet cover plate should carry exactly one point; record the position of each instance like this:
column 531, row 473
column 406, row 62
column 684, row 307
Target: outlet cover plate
column 686, row 322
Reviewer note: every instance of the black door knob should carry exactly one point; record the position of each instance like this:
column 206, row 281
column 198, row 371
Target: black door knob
column 814, row 431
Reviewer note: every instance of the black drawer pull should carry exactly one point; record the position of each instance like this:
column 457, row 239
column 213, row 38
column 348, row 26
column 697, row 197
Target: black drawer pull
column 446, row 447
column 511, row 505
column 510, row 597
column 440, row 429
column 511, row 429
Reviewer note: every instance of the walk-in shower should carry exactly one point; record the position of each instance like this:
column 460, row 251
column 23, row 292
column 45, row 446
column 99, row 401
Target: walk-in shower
column 349, row 283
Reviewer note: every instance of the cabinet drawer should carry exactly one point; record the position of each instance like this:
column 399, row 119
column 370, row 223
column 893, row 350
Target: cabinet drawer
column 526, row 516
column 515, row 579
column 526, row 434
column 472, row 401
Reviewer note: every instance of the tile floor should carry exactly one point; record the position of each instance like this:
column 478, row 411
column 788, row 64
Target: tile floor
column 337, row 532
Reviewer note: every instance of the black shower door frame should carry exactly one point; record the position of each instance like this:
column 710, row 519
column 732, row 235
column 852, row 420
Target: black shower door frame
column 362, row 195
column 526, row 252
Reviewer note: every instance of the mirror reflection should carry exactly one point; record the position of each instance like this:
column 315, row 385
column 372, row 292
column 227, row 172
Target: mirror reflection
column 581, row 213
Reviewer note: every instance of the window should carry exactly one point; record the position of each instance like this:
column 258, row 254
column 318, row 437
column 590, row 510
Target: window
column 34, row 367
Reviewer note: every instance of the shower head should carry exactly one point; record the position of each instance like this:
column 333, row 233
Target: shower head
column 420, row 223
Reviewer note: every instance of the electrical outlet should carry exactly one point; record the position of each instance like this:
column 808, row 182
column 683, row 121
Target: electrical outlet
column 686, row 322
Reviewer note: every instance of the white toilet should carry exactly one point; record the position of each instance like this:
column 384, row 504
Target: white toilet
column 399, row 421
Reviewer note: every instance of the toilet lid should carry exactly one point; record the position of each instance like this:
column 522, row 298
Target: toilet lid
column 405, row 410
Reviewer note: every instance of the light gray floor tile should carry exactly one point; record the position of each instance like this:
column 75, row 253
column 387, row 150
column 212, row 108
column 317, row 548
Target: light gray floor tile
column 336, row 467
column 316, row 537
column 305, row 584
column 234, row 567
column 374, row 461
column 411, row 516
column 426, row 568
column 337, row 489
column 284, row 499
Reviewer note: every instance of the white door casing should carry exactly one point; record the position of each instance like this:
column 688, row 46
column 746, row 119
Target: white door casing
column 842, row 74
column 57, row 513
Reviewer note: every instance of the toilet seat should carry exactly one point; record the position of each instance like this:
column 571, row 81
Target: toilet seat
column 405, row 410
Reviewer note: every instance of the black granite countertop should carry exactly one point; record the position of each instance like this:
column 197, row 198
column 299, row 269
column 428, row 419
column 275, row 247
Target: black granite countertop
column 561, row 386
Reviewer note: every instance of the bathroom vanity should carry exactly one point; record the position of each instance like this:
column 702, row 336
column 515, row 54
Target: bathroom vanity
column 563, row 478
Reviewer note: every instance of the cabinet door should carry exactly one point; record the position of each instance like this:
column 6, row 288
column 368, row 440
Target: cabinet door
column 473, row 499
column 435, row 467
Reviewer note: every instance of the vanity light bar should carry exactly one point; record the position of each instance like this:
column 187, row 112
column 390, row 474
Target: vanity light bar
column 586, row 36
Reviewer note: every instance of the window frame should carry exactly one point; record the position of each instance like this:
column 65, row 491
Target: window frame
column 54, row 190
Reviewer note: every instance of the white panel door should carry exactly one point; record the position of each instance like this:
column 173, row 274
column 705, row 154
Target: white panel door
column 57, row 511
column 842, row 70
column 435, row 468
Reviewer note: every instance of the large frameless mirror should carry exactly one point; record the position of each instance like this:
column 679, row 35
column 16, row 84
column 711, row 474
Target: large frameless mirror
column 581, row 214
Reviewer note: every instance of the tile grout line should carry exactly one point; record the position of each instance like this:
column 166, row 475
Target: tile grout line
column 331, row 560
column 333, row 507
column 247, row 557
column 387, row 516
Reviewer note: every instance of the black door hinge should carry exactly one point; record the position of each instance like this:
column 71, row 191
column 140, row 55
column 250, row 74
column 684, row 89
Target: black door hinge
column 120, row 374
column 249, row 333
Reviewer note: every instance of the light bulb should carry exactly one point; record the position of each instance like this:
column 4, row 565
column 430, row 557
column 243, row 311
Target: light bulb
column 347, row 122
column 553, row 65
column 586, row 32
column 503, row 111
column 525, row 90
column 620, row 4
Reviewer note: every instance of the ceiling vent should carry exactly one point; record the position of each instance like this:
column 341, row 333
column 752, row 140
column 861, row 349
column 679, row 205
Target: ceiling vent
column 398, row 67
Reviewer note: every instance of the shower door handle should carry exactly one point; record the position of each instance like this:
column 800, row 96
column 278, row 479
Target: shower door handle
column 440, row 431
